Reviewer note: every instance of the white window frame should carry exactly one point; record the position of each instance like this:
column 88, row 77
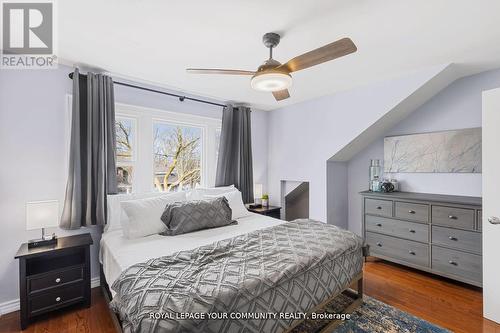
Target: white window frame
column 145, row 118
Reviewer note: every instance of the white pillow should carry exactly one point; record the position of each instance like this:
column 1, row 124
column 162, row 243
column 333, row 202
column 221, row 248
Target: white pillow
column 144, row 215
column 115, row 213
column 199, row 192
column 235, row 201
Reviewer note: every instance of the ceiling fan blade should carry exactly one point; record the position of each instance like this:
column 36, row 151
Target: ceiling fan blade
column 323, row 54
column 281, row 94
column 218, row 71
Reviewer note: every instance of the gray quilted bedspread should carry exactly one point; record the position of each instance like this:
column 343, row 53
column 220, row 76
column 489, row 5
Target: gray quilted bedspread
column 289, row 268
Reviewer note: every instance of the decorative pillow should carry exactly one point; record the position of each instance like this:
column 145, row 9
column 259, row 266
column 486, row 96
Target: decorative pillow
column 235, row 201
column 199, row 192
column 116, row 215
column 188, row 216
column 144, row 215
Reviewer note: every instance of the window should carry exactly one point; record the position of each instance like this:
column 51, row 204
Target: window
column 164, row 151
column 217, row 145
column 176, row 156
column 125, row 153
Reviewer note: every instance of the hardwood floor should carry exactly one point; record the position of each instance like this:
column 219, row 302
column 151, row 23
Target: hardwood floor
column 449, row 304
column 95, row 319
column 452, row 305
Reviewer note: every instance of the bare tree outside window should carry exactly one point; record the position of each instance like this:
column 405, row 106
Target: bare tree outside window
column 125, row 142
column 177, row 157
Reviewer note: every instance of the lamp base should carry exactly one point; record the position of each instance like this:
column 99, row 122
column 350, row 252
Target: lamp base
column 255, row 205
column 41, row 242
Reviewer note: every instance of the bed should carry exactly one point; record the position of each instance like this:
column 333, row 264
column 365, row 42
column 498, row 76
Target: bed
column 286, row 270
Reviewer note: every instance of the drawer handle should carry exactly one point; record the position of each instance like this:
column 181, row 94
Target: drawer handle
column 411, row 211
column 452, row 238
column 58, row 299
column 411, row 252
column 379, row 244
column 378, row 207
column 454, row 263
column 452, row 217
column 411, row 230
column 379, row 224
column 58, row 280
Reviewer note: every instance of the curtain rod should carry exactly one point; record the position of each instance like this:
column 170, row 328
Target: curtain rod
column 180, row 97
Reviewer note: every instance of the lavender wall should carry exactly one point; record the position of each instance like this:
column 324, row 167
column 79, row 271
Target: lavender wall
column 458, row 106
column 33, row 142
column 302, row 137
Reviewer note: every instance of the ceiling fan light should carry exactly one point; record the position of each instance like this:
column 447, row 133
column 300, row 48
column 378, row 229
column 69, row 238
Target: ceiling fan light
column 271, row 81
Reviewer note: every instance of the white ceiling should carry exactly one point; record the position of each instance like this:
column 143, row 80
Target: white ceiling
column 154, row 41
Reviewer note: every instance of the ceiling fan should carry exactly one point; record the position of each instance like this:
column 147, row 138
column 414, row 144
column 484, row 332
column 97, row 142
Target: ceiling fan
column 272, row 76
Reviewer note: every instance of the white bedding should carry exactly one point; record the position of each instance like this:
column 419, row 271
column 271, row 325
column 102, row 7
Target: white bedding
column 118, row 253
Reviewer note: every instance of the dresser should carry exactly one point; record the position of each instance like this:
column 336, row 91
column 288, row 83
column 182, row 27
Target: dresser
column 54, row 276
column 436, row 233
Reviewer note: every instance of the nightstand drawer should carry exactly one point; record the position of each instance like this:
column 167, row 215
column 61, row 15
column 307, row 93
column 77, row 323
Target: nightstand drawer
column 56, row 298
column 378, row 207
column 54, row 279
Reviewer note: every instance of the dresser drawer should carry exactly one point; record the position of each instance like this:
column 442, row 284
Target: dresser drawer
column 461, row 264
column 413, row 231
column 378, row 207
column 55, row 298
column 412, row 211
column 56, row 278
column 408, row 251
column 453, row 217
column 459, row 239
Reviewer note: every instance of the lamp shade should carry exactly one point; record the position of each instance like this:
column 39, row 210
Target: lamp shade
column 42, row 214
column 257, row 191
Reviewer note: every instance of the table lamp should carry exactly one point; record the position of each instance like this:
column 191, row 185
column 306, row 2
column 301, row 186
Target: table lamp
column 257, row 194
column 41, row 215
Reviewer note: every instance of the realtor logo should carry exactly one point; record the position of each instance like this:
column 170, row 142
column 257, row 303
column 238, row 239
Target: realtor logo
column 28, row 35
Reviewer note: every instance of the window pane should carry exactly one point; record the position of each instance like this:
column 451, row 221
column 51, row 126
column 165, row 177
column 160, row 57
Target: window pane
column 125, row 139
column 177, row 156
column 217, row 145
column 124, row 178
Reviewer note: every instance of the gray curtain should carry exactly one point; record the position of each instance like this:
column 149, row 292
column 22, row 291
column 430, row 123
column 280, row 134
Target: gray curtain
column 92, row 164
column 234, row 165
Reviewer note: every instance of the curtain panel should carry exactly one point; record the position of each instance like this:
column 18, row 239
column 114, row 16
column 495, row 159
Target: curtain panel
column 92, row 163
column 234, row 165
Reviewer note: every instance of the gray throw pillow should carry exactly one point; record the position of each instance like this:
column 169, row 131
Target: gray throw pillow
column 188, row 216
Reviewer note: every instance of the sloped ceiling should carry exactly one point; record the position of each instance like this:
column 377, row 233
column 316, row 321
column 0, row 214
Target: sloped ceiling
column 400, row 111
column 154, row 41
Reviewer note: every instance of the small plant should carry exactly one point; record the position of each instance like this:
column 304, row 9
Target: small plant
column 265, row 196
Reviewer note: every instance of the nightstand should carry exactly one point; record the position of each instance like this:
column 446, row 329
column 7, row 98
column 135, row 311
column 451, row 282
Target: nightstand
column 53, row 277
column 271, row 211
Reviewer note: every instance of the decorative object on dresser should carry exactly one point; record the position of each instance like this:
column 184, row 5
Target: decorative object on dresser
column 41, row 215
column 53, row 277
column 375, row 173
column 436, row 233
column 271, row 211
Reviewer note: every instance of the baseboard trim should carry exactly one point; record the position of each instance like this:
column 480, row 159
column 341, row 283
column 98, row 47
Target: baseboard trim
column 95, row 282
column 13, row 305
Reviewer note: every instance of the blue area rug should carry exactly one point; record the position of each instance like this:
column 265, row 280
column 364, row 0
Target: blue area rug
column 371, row 317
